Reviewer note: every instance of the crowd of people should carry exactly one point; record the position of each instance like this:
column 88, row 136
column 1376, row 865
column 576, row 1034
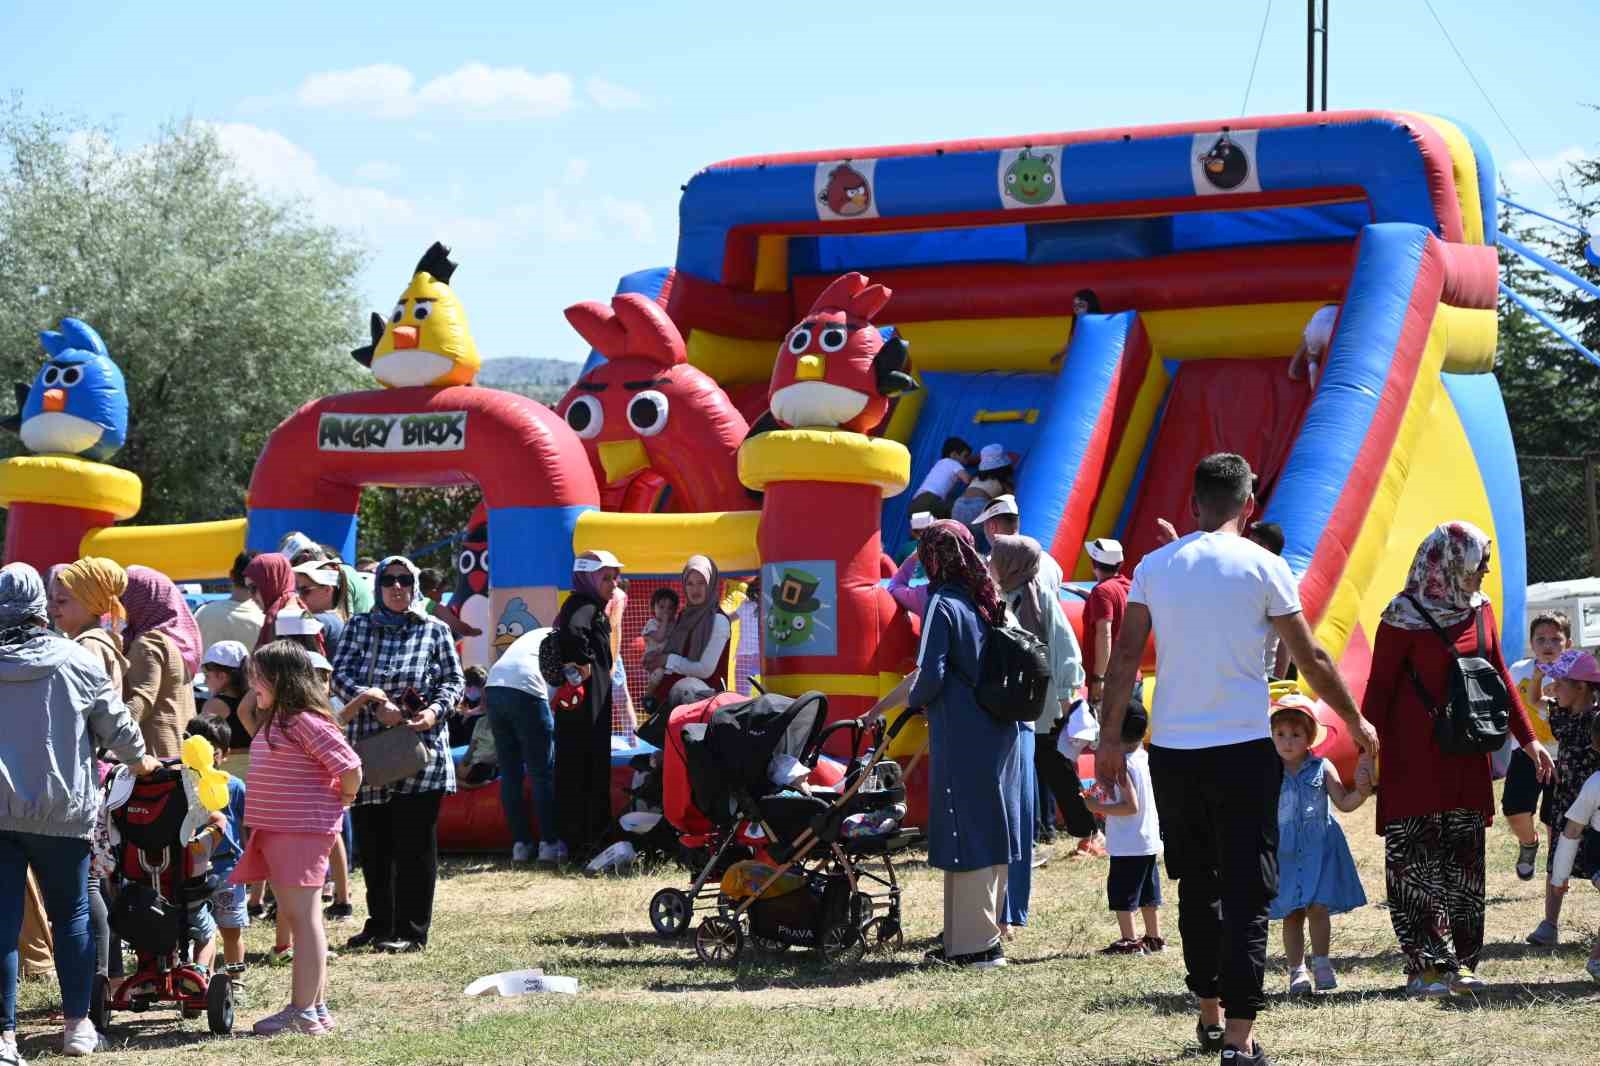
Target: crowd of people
column 337, row 703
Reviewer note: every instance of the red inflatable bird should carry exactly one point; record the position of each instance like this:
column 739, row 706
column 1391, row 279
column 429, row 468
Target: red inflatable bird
column 835, row 369
column 647, row 409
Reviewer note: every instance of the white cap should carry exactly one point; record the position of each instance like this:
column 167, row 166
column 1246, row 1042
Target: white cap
column 319, row 570
column 1105, row 551
column 921, row 520
column 228, row 654
column 1003, row 504
column 993, row 457
column 603, row 560
column 319, row 661
column 297, row 624
column 295, row 543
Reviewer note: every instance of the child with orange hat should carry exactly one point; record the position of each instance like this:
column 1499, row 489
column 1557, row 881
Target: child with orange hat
column 1316, row 874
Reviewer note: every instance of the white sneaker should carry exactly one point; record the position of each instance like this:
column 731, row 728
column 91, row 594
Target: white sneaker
column 1299, row 981
column 9, row 1055
column 522, row 852
column 78, row 1038
column 1322, row 970
column 552, row 854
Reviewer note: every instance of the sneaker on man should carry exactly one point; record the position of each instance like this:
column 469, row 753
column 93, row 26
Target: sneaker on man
column 1300, row 981
column 78, row 1038
column 339, row 912
column 1256, row 1056
column 1427, row 985
column 1526, row 854
column 521, row 852
column 1465, row 983
column 290, row 1019
column 1544, row 936
column 1322, row 971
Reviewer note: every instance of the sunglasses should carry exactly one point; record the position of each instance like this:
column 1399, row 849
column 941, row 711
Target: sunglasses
column 305, row 590
column 391, row 580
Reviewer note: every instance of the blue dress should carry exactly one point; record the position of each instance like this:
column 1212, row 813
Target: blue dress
column 1314, row 861
column 975, row 816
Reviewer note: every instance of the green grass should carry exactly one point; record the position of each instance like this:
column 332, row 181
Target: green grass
column 647, row 1001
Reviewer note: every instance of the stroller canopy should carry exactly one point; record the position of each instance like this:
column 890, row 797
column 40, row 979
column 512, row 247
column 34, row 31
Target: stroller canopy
column 740, row 742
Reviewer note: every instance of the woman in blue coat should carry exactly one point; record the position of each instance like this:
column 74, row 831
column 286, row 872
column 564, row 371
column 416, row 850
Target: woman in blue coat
column 975, row 818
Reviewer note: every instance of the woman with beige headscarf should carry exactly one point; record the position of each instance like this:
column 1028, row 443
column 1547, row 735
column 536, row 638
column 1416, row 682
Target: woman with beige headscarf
column 82, row 596
column 1014, row 562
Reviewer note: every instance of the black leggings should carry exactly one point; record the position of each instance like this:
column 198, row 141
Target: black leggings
column 107, row 947
column 1060, row 780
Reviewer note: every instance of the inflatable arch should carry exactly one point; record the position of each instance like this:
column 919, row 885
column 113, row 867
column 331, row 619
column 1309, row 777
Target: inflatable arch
column 531, row 467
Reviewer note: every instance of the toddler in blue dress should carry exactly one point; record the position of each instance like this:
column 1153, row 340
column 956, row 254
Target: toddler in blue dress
column 1316, row 874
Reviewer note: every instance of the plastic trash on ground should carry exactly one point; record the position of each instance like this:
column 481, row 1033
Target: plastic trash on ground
column 522, row 983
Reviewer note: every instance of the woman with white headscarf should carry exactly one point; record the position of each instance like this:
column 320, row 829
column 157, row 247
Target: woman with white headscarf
column 693, row 661
column 397, row 664
column 56, row 708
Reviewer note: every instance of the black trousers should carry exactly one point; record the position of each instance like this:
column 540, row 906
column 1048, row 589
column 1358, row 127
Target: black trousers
column 1060, row 780
column 400, row 862
column 583, row 780
column 1219, row 826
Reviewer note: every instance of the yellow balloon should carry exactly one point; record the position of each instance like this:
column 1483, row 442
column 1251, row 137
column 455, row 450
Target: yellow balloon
column 199, row 755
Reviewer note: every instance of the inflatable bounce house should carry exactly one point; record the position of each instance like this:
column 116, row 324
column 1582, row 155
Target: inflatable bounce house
column 833, row 316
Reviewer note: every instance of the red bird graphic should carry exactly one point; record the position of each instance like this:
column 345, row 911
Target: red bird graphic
column 834, row 368
column 647, row 409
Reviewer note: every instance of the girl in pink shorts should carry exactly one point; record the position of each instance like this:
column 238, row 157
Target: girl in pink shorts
column 302, row 776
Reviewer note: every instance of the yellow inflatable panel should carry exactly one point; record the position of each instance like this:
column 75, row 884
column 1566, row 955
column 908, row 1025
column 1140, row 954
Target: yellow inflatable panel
column 67, row 481
column 198, row 551
column 826, row 455
column 662, row 543
column 1472, row 335
column 1248, row 331
column 772, row 263
column 979, row 344
column 731, row 360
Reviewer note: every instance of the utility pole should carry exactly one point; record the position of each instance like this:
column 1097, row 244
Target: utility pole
column 1313, row 28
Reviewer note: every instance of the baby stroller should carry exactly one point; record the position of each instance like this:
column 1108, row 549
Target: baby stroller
column 155, row 908
column 825, row 878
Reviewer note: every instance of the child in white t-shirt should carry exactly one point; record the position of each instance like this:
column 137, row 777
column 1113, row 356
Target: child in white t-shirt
column 1579, row 832
column 1313, row 351
column 1133, row 840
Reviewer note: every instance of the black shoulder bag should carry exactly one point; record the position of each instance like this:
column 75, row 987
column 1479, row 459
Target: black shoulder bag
column 1474, row 717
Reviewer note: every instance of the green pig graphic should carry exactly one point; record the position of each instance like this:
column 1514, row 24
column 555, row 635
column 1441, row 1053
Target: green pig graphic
column 792, row 609
column 1031, row 179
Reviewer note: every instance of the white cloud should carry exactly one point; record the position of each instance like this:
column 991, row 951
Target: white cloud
column 282, row 169
column 610, row 96
column 379, row 170
column 1524, row 175
column 577, row 170
column 472, row 91
column 382, row 90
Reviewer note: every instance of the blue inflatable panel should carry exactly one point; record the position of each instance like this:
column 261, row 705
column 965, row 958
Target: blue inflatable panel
column 513, row 529
column 1482, row 411
column 269, row 525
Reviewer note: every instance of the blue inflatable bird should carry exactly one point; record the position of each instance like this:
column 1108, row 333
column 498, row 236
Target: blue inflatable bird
column 78, row 402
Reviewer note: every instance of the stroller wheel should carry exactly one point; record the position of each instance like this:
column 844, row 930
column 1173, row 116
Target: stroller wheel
column 719, row 941
column 219, row 1004
column 99, row 1002
column 670, row 912
column 884, row 936
column 841, row 945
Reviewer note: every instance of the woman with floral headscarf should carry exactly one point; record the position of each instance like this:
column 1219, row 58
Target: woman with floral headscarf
column 976, row 826
column 1433, row 807
column 582, row 705
column 163, row 647
column 397, row 665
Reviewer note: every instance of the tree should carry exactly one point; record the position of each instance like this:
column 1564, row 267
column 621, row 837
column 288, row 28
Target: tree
column 225, row 310
column 414, row 522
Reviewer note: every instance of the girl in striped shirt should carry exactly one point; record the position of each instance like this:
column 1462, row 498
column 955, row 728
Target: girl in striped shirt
column 303, row 774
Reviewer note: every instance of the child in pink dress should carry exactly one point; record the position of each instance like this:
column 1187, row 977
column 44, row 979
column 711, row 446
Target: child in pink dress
column 303, row 774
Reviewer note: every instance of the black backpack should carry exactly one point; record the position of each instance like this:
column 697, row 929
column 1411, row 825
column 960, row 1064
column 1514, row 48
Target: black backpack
column 1014, row 681
column 1474, row 717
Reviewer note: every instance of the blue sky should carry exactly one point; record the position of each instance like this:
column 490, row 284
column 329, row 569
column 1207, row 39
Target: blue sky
column 546, row 143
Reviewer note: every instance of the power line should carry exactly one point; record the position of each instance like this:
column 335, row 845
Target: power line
column 1486, row 99
column 1262, row 36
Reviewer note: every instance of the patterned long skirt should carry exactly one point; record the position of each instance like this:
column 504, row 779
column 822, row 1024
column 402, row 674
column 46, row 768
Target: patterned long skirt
column 1433, row 868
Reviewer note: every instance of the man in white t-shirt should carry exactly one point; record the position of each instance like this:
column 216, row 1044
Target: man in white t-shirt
column 1314, row 342
column 1211, row 598
column 524, row 731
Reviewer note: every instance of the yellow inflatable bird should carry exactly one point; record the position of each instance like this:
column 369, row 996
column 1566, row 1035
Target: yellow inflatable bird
column 425, row 340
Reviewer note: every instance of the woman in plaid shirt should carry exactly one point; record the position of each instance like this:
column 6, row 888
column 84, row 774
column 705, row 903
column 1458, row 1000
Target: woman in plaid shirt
column 393, row 648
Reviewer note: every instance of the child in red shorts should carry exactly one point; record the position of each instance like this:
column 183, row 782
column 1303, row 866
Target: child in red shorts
column 302, row 776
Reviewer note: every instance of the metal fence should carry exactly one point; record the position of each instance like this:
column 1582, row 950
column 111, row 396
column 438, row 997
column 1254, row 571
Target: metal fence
column 1561, row 515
